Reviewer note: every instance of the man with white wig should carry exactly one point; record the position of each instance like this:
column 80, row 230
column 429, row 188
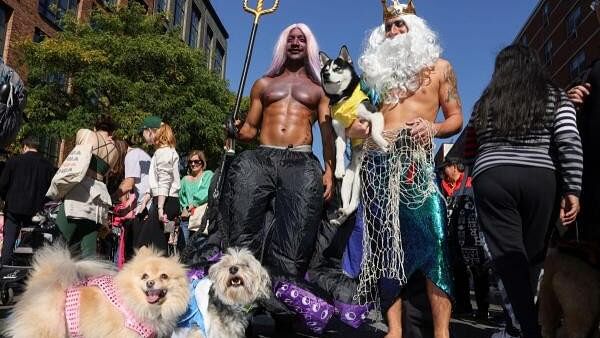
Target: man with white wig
column 402, row 210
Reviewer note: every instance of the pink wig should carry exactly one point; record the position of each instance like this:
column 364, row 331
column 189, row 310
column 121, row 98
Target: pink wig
column 313, row 65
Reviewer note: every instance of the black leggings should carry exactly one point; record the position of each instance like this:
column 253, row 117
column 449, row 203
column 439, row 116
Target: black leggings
column 274, row 201
column 151, row 230
column 517, row 207
column 11, row 230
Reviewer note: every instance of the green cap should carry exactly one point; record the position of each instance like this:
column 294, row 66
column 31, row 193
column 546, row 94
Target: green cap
column 151, row 122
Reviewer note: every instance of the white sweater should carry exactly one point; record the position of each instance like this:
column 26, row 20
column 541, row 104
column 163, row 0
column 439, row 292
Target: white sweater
column 164, row 173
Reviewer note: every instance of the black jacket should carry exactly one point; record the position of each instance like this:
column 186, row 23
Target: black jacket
column 24, row 182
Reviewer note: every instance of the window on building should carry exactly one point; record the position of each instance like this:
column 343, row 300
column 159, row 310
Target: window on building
column 49, row 147
column 178, row 12
column 524, row 40
column 573, row 20
column 110, row 3
column 194, row 27
column 218, row 60
column 4, row 16
column 208, row 39
column 577, row 65
column 38, row 35
column 546, row 13
column 54, row 10
column 161, row 6
column 548, row 52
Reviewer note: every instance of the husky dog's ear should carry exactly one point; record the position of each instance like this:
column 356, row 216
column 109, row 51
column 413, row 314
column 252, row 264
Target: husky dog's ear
column 324, row 58
column 344, row 54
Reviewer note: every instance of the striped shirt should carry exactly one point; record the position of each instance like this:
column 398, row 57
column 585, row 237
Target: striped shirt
column 554, row 145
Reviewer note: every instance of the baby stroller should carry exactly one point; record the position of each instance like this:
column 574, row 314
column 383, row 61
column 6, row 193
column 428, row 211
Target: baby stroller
column 42, row 231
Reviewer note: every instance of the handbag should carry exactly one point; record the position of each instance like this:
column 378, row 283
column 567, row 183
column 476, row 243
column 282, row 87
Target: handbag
column 71, row 171
column 196, row 214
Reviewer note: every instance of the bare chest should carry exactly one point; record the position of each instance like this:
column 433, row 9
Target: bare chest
column 425, row 103
column 302, row 91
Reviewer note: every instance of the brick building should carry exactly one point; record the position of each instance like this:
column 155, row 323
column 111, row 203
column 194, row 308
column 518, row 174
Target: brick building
column 35, row 19
column 22, row 20
column 566, row 35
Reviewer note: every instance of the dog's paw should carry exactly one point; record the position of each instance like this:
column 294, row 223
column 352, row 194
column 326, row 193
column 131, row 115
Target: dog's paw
column 340, row 218
column 383, row 144
column 340, row 172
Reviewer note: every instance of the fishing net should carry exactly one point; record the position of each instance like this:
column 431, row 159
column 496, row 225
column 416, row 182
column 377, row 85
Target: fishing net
column 402, row 177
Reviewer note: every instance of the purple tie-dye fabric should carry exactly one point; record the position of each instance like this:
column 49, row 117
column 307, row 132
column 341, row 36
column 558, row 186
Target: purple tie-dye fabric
column 215, row 258
column 196, row 274
column 352, row 314
column 202, row 272
column 315, row 311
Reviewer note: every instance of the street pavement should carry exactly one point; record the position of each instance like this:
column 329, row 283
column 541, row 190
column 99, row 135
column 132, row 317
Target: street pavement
column 460, row 328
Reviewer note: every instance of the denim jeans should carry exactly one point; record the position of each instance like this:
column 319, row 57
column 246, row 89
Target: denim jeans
column 183, row 225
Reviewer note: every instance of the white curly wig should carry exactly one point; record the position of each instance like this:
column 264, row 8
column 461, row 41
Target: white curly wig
column 393, row 67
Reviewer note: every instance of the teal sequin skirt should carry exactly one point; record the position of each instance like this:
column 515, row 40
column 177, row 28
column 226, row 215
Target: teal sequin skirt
column 423, row 229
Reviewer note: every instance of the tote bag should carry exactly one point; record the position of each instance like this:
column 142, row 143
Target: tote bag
column 195, row 220
column 71, row 172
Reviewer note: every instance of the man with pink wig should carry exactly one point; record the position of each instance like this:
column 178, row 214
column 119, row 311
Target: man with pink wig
column 274, row 195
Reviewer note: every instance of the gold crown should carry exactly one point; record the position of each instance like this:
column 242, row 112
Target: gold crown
column 397, row 9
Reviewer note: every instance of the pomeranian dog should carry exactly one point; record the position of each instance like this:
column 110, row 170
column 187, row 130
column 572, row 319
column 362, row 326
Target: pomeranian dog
column 225, row 298
column 570, row 290
column 65, row 297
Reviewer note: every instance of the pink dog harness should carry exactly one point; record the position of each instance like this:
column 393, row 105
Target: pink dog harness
column 106, row 284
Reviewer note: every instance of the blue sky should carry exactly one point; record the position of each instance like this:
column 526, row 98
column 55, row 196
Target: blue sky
column 471, row 33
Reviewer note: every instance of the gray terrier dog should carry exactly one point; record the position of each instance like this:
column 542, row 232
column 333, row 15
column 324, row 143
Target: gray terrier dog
column 225, row 298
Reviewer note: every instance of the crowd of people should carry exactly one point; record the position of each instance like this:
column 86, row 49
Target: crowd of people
column 413, row 242
column 122, row 192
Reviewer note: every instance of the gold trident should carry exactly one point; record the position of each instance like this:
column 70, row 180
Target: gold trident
column 258, row 11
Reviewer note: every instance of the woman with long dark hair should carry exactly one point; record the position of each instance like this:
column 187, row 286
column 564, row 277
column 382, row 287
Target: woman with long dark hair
column 526, row 174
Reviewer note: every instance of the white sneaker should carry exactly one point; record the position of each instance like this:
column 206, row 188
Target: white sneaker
column 503, row 334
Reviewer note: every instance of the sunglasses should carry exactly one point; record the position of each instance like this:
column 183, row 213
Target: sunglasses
column 196, row 162
column 397, row 23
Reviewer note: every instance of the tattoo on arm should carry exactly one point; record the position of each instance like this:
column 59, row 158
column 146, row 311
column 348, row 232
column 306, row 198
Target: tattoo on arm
column 450, row 78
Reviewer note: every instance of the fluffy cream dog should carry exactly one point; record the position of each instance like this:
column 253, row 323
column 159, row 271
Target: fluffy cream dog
column 224, row 299
column 150, row 293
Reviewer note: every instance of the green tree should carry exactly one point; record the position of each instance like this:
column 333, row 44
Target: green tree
column 125, row 64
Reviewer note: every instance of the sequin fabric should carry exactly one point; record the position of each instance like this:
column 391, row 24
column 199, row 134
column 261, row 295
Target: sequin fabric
column 419, row 221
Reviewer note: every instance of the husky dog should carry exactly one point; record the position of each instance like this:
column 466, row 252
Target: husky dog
column 348, row 103
column 224, row 299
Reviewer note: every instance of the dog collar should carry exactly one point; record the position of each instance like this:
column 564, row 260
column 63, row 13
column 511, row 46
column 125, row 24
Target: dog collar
column 106, row 284
column 248, row 308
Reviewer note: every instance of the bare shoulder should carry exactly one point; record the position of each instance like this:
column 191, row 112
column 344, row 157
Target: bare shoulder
column 442, row 64
column 84, row 136
column 258, row 87
column 262, row 82
column 443, row 69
